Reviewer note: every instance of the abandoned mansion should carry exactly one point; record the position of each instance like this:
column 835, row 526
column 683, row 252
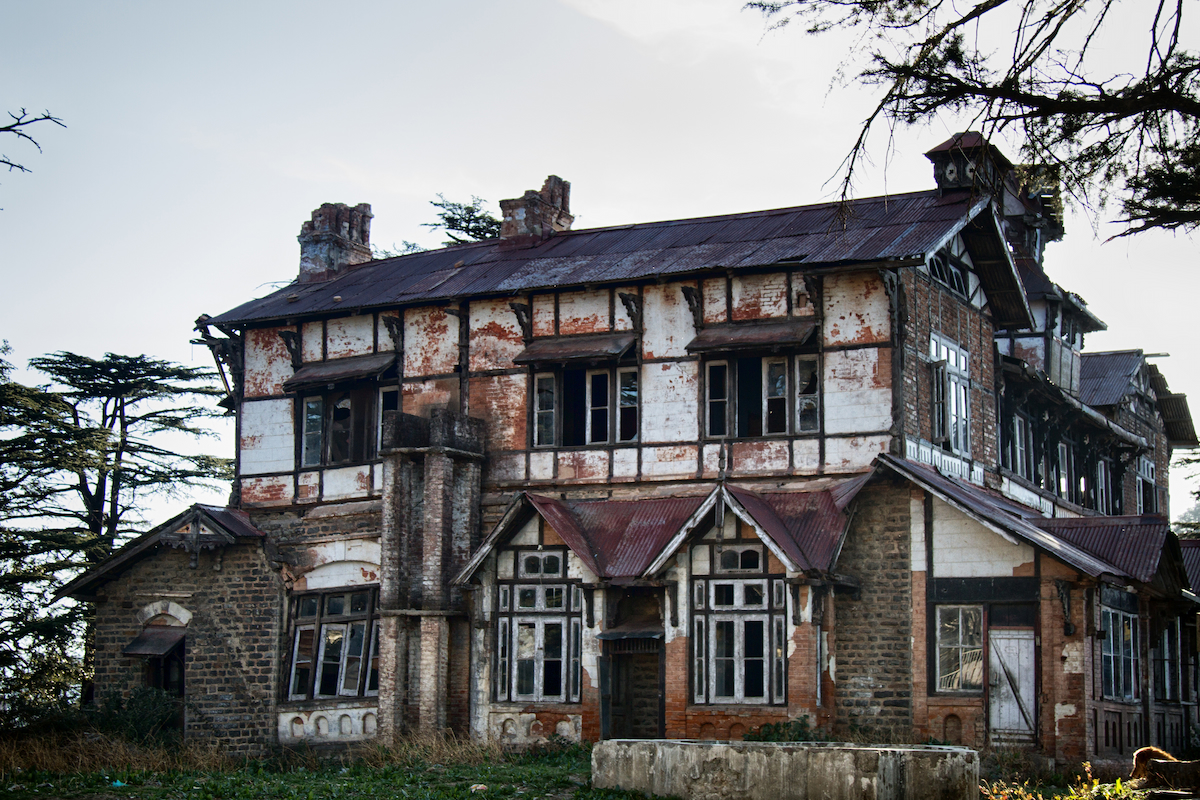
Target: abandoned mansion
column 849, row 462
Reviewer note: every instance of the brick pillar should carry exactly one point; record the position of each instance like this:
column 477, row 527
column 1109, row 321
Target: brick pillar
column 435, row 659
column 393, row 655
column 438, row 513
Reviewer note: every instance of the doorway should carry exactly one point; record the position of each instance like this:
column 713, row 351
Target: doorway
column 1012, row 685
column 635, row 708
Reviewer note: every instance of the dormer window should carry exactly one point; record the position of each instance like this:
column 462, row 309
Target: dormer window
column 951, row 272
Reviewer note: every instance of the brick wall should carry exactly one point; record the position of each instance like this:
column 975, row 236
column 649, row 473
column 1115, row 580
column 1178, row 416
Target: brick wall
column 873, row 648
column 232, row 639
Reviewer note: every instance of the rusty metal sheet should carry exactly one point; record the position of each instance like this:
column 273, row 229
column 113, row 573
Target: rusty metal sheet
column 155, row 640
column 629, row 534
column 341, row 369
column 1191, row 560
column 564, row 349
column 1106, row 378
column 874, row 229
column 808, row 525
column 1132, row 543
column 753, row 335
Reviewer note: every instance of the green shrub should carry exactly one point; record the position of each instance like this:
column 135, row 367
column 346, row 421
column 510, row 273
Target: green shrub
column 796, row 730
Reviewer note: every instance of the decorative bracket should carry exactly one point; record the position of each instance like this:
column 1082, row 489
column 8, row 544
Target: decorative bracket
column 524, row 319
column 633, row 307
column 291, row 340
column 692, row 295
column 395, row 329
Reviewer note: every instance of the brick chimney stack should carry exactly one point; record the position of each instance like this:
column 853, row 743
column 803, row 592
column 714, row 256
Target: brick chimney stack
column 336, row 237
column 533, row 218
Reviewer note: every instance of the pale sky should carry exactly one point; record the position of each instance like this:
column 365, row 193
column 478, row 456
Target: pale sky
column 201, row 136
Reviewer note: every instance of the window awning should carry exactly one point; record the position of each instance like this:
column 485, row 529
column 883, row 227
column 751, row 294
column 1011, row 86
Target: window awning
column 753, row 336
column 634, row 629
column 155, row 640
column 322, row 373
column 571, row 349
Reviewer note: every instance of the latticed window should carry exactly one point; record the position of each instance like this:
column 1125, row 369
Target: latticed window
column 538, row 630
column 335, row 644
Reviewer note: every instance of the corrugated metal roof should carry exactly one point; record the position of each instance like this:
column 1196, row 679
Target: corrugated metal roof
column 789, row 333
column 628, row 534
column 1177, row 417
column 561, row 349
column 1191, row 560
column 339, row 369
column 867, row 230
column 986, row 509
column 1106, row 378
column 1132, row 544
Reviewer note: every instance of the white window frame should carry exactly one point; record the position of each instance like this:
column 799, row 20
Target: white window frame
column 316, row 429
column 382, row 403
column 710, row 616
column 951, row 412
column 321, row 626
column 545, row 417
column 1104, row 487
column 1146, row 480
column 808, row 402
column 548, row 416
column 800, row 413
column 718, row 407
column 739, row 657
column 603, row 410
column 1120, row 654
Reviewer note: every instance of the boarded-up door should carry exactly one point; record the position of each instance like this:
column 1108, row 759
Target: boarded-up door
column 1012, row 686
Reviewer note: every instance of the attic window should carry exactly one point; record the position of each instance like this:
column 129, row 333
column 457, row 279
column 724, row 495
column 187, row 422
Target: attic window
column 951, row 272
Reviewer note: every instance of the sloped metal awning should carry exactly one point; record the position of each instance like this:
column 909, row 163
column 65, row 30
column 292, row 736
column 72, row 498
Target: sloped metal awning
column 576, row 349
column 342, row 369
column 155, row 640
column 753, row 336
column 634, row 629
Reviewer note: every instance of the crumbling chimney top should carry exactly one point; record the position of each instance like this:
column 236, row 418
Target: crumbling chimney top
column 338, row 236
column 534, row 217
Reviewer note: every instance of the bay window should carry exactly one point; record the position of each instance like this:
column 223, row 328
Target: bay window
column 334, row 645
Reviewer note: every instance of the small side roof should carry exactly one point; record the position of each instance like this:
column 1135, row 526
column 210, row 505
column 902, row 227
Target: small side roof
column 198, row 527
column 1106, row 378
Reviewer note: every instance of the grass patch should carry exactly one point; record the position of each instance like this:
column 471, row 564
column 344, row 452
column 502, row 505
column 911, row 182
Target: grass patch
column 429, row 768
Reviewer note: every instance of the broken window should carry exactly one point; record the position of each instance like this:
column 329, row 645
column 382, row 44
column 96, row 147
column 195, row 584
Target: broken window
column 340, row 427
column 959, row 648
column 739, row 641
column 574, row 407
column 1119, row 657
column 951, row 271
column 762, row 396
column 1020, row 451
column 950, row 395
column 335, row 644
column 538, row 630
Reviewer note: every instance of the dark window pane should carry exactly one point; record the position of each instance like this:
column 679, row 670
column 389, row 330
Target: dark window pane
column 553, row 640
column 599, row 425
column 574, row 407
column 335, row 604
column 753, row 595
column 628, row 423
column 525, row 676
column 723, row 641
column 755, row 640
column 533, row 565
column 723, row 594
column 749, row 397
column 358, row 603
column 550, row 565
column 729, row 559
column 554, row 597
column 308, row 606
column 526, row 598
column 753, row 681
column 749, row 559
column 551, row 678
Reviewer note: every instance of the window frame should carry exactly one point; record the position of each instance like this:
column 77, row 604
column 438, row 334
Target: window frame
column 725, row 603
column 1120, row 656
column 363, row 428
column 951, row 681
column 320, row 625
column 556, row 600
column 795, row 412
column 950, row 395
column 549, row 407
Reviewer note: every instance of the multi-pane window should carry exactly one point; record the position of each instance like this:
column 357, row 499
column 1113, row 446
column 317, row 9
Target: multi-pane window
column 759, row 396
column 335, row 644
column 1166, row 661
column 1147, row 488
column 951, row 395
column 1021, row 459
column 578, row 407
column 950, row 271
column 538, row 630
column 739, row 644
column 1104, row 503
column 1119, row 657
column 338, row 427
column 1068, row 482
column 959, row 648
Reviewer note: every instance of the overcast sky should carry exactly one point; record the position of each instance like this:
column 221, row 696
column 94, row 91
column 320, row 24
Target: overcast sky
column 200, row 136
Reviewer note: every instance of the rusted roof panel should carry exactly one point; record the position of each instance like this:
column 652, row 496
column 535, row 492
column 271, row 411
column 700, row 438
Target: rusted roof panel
column 563, row 349
column 1177, row 420
column 1191, row 560
column 871, row 229
column 1133, row 544
column 754, row 335
column 628, row 534
column 558, row 514
column 235, row 521
column 1106, row 378
column 340, row 369
column 155, row 640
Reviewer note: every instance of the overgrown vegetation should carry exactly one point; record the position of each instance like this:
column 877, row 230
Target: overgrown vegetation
column 430, row 768
column 796, row 730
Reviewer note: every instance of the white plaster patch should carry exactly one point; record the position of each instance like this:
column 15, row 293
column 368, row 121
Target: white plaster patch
column 962, row 548
column 347, row 482
column 662, row 462
column 541, row 466
column 853, row 453
column 312, row 340
column 268, row 438
column 341, row 723
column 916, row 515
column 349, row 336
column 669, row 402
column 667, row 322
column 528, row 534
column 165, row 608
column 806, row 455
column 625, row 462
column 1072, row 657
